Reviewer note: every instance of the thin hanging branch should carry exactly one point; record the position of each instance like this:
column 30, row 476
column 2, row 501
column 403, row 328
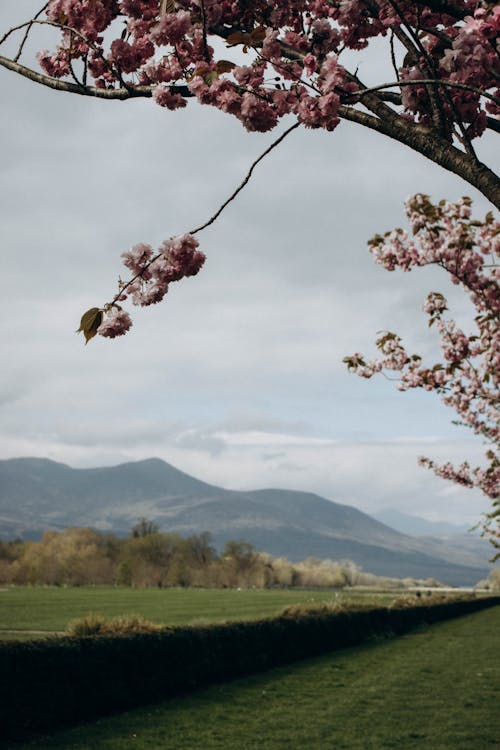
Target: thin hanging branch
column 216, row 215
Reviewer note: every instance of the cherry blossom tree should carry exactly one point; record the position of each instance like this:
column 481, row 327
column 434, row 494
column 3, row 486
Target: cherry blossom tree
column 443, row 96
column 468, row 377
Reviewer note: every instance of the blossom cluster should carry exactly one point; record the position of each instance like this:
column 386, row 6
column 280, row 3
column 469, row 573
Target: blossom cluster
column 152, row 274
column 293, row 51
column 116, row 323
column 469, row 56
column 468, row 377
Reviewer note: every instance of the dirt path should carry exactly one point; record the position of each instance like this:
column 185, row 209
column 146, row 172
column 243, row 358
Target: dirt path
column 31, row 632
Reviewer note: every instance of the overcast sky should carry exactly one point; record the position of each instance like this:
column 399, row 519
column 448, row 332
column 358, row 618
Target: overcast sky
column 237, row 377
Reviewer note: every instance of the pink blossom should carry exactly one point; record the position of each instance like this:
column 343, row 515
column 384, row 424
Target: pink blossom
column 129, row 57
column 468, row 378
column 256, row 114
column 271, row 48
column 171, row 28
column 160, row 71
column 116, row 323
column 138, row 257
column 183, row 256
column 288, row 45
column 90, row 17
column 166, row 98
column 310, row 63
column 56, row 66
column 323, row 36
column 332, row 74
column 141, row 9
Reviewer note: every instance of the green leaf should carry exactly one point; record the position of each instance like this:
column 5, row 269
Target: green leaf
column 210, row 77
column 90, row 322
column 224, row 66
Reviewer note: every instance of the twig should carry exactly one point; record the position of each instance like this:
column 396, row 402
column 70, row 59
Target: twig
column 440, row 81
column 217, row 213
column 63, row 27
column 204, row 24
column 433, row 90
column 393, row 54
column 26, row 33
column 247, row 178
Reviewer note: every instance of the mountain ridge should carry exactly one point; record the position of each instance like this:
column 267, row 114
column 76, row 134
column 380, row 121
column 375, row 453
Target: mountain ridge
column 407, row 523
column 37, row 494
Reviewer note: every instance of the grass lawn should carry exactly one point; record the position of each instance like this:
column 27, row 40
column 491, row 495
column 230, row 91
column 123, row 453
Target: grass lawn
column 51, row 608
column 434, row 689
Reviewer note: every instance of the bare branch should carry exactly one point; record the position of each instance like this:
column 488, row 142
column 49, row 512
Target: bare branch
column 393, row 54
column 27, row 32
column 247, row 178
column 204, row 23
column 216, row 215
column 438, row 117
column 493, row 124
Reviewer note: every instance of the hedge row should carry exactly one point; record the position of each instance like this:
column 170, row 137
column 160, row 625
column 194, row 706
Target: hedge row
column 49, row 684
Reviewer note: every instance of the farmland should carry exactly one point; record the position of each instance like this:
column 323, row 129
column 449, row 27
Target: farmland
column 438, row 687
column 26, row 611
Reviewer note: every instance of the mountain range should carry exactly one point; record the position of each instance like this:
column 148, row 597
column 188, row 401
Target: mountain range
column 407, row 523
column 37, row 494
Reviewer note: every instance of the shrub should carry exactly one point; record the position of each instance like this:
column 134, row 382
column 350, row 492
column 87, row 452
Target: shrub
column 88, row 625
column 415, row 599
column 96, row 624
column 308, row 610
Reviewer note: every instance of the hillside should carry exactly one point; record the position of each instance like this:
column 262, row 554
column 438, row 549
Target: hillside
column 408, row 523
column 37, row 494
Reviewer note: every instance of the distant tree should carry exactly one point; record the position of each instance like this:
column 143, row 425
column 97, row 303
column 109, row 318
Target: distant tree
column 201, row 549
column 240, row 561
column 144, row 527
column 494, row 578
column 70, row 557
column 492, row 583
column 124, row 573
column 150, row 557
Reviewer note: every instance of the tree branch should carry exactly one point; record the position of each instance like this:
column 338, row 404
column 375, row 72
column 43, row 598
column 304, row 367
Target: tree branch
column 27, row 32
column 247, row 178
column 428, row 143
column 417, row 81
column 72, row 88
column 216, row 215
column 433, row 93
column 493, row 124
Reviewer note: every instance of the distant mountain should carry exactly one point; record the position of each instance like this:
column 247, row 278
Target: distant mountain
column 441, row 538
column 37, row 494
column 416, row 526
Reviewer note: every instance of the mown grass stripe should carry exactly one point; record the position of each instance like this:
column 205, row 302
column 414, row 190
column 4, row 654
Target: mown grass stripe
column 50, row 608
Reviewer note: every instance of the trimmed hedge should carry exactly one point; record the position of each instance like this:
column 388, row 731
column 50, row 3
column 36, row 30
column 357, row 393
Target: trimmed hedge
column 53, row 683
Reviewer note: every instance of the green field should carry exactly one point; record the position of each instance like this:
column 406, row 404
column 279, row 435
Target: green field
column 434, row 689
column 33, row 611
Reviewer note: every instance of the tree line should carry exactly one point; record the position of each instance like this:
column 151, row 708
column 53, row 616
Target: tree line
column 148, row 557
